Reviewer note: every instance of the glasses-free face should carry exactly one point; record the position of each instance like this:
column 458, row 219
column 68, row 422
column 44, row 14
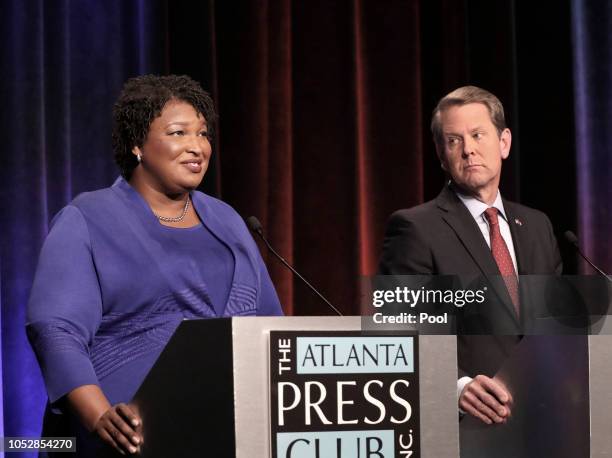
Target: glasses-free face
column 177, row 149
column 472, row 150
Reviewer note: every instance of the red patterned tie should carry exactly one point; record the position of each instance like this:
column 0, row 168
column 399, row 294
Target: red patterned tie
column 502, row 257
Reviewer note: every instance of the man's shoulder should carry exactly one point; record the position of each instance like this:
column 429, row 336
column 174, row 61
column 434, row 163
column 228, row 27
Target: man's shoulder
column 523, row 212
column 419, row 213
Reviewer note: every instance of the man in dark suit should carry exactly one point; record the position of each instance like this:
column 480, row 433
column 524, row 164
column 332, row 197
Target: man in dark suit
column 469, row 230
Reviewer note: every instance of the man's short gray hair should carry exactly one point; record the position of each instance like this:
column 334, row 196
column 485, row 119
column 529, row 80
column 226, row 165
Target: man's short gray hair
column 463, row 96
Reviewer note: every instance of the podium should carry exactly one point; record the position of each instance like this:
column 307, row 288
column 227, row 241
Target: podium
column 209, row 392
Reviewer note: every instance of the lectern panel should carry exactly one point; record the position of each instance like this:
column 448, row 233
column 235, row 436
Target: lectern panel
column 208, row 393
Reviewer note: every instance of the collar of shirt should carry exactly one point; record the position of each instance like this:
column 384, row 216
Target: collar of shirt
column 477, row 208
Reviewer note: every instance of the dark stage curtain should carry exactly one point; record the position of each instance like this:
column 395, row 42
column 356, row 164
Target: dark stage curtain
column 323, row 131
column 325, row 111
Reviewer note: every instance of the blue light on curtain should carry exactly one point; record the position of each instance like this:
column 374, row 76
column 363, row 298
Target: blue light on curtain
column 1, row 398
column 63, row 64
column 591, row 26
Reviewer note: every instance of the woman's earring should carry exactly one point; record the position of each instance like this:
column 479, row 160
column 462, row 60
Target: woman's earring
column 139, row 158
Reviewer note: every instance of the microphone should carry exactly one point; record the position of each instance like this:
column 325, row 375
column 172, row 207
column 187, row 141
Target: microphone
column 256, row 227
column 571, row 238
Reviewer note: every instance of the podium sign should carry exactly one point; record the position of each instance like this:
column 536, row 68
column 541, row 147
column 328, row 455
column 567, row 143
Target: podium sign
column 344, row 394
column 213, row 388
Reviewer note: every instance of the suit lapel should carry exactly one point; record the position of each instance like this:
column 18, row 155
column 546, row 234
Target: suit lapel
column 458, row 217
column 460, row 220
column 519, row 238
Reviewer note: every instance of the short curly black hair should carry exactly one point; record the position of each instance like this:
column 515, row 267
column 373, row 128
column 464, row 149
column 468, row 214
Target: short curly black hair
column 142, row 99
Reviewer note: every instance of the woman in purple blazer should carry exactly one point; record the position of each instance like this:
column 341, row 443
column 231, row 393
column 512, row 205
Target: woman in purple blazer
column 122, row 266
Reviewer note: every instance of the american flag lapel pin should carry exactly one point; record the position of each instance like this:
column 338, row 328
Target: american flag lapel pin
column 518, row 222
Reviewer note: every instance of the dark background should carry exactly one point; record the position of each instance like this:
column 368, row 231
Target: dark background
column 323, row 130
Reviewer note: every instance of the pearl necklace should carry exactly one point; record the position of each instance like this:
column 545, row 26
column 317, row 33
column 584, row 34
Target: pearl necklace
column 177, row 219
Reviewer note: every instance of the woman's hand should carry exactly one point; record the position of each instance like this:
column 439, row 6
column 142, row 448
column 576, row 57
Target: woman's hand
column 119, row 426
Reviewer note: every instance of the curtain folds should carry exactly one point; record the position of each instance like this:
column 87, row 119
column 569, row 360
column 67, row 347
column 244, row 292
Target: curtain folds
column 591, row 25
column 321, row 133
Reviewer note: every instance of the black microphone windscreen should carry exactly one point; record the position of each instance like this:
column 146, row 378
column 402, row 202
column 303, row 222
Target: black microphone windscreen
column 571, row 237
column 254, row 224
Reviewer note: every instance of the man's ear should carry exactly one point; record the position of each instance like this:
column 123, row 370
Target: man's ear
column 441, row 158
column 505, row 141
